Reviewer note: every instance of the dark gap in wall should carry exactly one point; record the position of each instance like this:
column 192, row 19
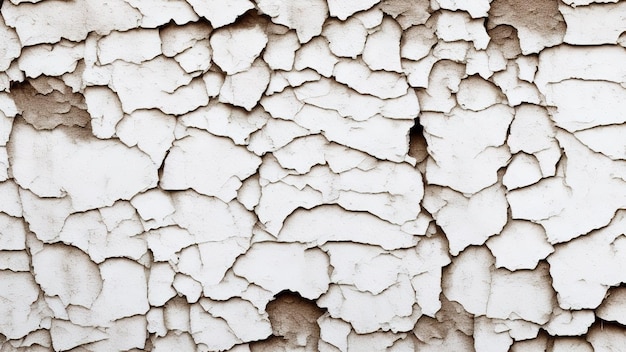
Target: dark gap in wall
column 417, row 142
column 602, row 324
column 251, row 18
column 294, row 324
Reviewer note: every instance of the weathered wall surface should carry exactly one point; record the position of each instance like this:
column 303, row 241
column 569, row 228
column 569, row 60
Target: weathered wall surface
column 372, row 175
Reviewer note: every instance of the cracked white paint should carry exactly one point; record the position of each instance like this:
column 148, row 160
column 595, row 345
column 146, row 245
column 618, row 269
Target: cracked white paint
column 274, row 175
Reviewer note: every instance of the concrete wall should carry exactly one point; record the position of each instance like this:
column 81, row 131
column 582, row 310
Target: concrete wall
column 371, row 175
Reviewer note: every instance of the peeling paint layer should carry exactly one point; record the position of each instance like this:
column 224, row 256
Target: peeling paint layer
column 274, row 175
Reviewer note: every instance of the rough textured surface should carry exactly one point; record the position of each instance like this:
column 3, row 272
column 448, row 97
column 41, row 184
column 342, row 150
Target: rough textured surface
column 323, row 175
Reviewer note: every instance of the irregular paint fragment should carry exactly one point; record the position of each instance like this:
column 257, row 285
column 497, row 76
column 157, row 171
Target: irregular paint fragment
column 453, row 26
column 377, row 83
column 224, row 178
column 288, row 265
column 345, row 38
column 382, row 48
column 457, row 141
column 343, row 10
column 220, row 13
column 159, row 83
column 229, row 53
column 19, row 292
column 135, row 46
column 583, row 269
column 520, row 245
column 245, row 89
column 581, row 30
column 160, row 12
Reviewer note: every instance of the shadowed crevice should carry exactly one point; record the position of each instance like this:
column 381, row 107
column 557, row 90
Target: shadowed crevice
column 294, row 324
